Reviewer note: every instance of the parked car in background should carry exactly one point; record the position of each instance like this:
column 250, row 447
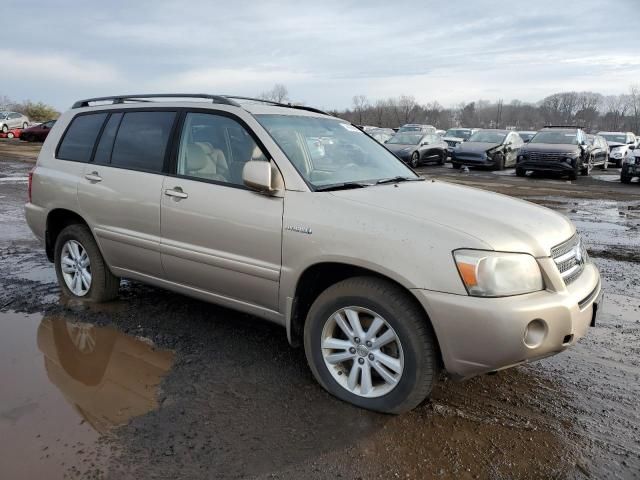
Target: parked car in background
column 630, row 166
column 561, row 149
column 416, row 149
column 11, row 133
column 455, row 136
column 619, row 145
column 527, row 135
column 599, row 151
column 9, row 120
column 488, row 148
column 417, row 128
column 441, row 133
column 37, row 133
column 382, row 135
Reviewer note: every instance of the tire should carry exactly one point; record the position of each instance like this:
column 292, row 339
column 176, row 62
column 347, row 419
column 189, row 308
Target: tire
column 27, row 138
column 5, row 129
column 619, row 163
column 499, row 162
column 442, row 158
column 414, row 344
column 520, row 172
column 25, row 125
column 455, row 164
column 10, row 135
column 415, row 159
column 103, row 285
column 573, row 174
column 625, row 177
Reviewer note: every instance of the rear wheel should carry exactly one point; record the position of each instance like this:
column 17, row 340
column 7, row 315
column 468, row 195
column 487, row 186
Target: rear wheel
column 367, row 342
column 415, row 159
column 10, row 135
column 5, row 129
column 82, row 272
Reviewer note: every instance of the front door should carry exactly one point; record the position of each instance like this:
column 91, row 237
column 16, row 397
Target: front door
column 217, row 235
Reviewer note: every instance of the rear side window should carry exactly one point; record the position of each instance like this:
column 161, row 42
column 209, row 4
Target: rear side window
column 141, row 141
column 80, row 137
column 103, row 151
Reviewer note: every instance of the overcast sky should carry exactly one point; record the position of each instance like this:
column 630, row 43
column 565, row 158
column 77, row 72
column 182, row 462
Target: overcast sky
column 325, row 52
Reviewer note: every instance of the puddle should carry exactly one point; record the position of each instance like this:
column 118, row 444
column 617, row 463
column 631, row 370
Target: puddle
column 64, row 385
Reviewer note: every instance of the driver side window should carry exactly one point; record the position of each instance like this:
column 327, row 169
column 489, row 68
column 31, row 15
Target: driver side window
column 215, row 147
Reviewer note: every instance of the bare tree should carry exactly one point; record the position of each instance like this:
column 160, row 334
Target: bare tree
column 278, row 93
column 360, row 105
column 634, row 101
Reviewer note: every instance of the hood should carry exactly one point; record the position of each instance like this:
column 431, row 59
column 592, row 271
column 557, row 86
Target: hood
column 397, row 147
column 617, row 144
column 476, row 147
column 549, row 147
column 501, row 222
column 453, row 139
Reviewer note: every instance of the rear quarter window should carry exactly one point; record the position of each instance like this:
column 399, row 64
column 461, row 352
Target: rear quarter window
column 79, row 139
column 142, row 139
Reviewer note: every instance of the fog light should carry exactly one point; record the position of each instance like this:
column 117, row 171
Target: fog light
column 535, row 333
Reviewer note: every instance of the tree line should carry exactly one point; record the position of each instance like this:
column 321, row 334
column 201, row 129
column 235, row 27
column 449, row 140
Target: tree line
column 593, row 111
column 35, row 111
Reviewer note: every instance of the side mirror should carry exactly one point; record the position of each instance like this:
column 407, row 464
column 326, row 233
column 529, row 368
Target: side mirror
column 527, row 140
column 256, row 175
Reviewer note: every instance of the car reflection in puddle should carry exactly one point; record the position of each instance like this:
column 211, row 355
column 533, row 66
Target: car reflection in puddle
column 108, row 377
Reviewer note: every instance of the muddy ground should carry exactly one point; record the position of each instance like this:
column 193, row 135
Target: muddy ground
column 157, row 385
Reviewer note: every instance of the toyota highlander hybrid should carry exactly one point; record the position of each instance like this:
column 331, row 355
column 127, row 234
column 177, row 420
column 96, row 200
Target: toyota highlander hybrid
column 383, row 276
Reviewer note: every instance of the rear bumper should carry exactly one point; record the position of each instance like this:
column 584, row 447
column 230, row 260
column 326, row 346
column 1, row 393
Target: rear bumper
column 479, row 335
column 37, row 220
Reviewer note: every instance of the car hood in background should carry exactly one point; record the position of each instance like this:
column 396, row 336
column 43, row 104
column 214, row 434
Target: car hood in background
column 504, row 223
column 453, row 139
column 398, row 147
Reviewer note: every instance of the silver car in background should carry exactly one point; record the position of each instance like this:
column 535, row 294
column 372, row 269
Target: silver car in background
column 9, row 120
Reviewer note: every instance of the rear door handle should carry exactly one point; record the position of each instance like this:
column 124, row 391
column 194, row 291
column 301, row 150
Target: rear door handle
column 176, row 193
column 93, row 177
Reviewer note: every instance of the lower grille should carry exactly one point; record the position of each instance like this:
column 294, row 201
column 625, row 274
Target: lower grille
column 546, row 156
column 570, row 258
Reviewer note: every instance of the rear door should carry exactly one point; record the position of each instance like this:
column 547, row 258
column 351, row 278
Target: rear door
column 217, row 235
column 119, row 194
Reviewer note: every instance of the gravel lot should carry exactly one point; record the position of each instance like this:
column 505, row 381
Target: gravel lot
column 157, row 385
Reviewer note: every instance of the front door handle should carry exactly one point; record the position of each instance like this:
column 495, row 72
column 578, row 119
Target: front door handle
column 93, row 177
column 176, row 193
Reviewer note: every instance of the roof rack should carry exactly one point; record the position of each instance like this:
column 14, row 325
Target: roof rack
column 564, row 126
column 277, row 104
column 117, row 99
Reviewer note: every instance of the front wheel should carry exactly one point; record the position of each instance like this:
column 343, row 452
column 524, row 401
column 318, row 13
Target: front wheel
column 368, row 343
column 5, row 129
column 25, row 125
column 415, row 159
column 520, row 172
column 82, row 272
column 625, row 177
column 10, row 135
column 499, row 162
column 442, row 158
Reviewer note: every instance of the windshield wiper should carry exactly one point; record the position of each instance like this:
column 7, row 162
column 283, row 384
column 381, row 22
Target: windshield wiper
column 343, row 186
column 399, row 179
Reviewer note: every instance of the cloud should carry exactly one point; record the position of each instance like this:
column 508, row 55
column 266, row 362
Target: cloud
column 24, row 65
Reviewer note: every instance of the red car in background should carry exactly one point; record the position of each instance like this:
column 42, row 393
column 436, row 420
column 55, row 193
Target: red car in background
column 11, row 133
column 37, row 133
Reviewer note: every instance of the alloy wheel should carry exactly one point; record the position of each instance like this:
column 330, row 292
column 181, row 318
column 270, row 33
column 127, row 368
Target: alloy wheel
column 362, row 352
column 76, row 267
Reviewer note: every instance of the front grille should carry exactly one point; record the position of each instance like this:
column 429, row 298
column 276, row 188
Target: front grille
column 546, row 156
column 570, row 258
column 452, row 143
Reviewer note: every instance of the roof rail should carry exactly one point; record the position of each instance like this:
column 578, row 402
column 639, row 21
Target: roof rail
column 116, row 99
column 564, row 126
column 277, row 104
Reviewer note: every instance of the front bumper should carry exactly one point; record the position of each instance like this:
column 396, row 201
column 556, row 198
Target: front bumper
column 479, row 335
column 475, row 161
column 547, row 166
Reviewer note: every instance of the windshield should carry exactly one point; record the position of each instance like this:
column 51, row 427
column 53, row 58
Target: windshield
column 347, row 156
column 612, row 137
column 526, row 135
column 405, row 139
column 550, row 136
column 458, row 133
column 487, row 137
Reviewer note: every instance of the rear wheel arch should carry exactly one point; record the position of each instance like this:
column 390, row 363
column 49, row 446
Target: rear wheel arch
column 57, row 220
column 320, row 276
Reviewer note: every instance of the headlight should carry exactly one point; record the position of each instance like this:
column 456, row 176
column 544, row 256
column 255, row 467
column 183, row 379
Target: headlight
column 498, row 274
